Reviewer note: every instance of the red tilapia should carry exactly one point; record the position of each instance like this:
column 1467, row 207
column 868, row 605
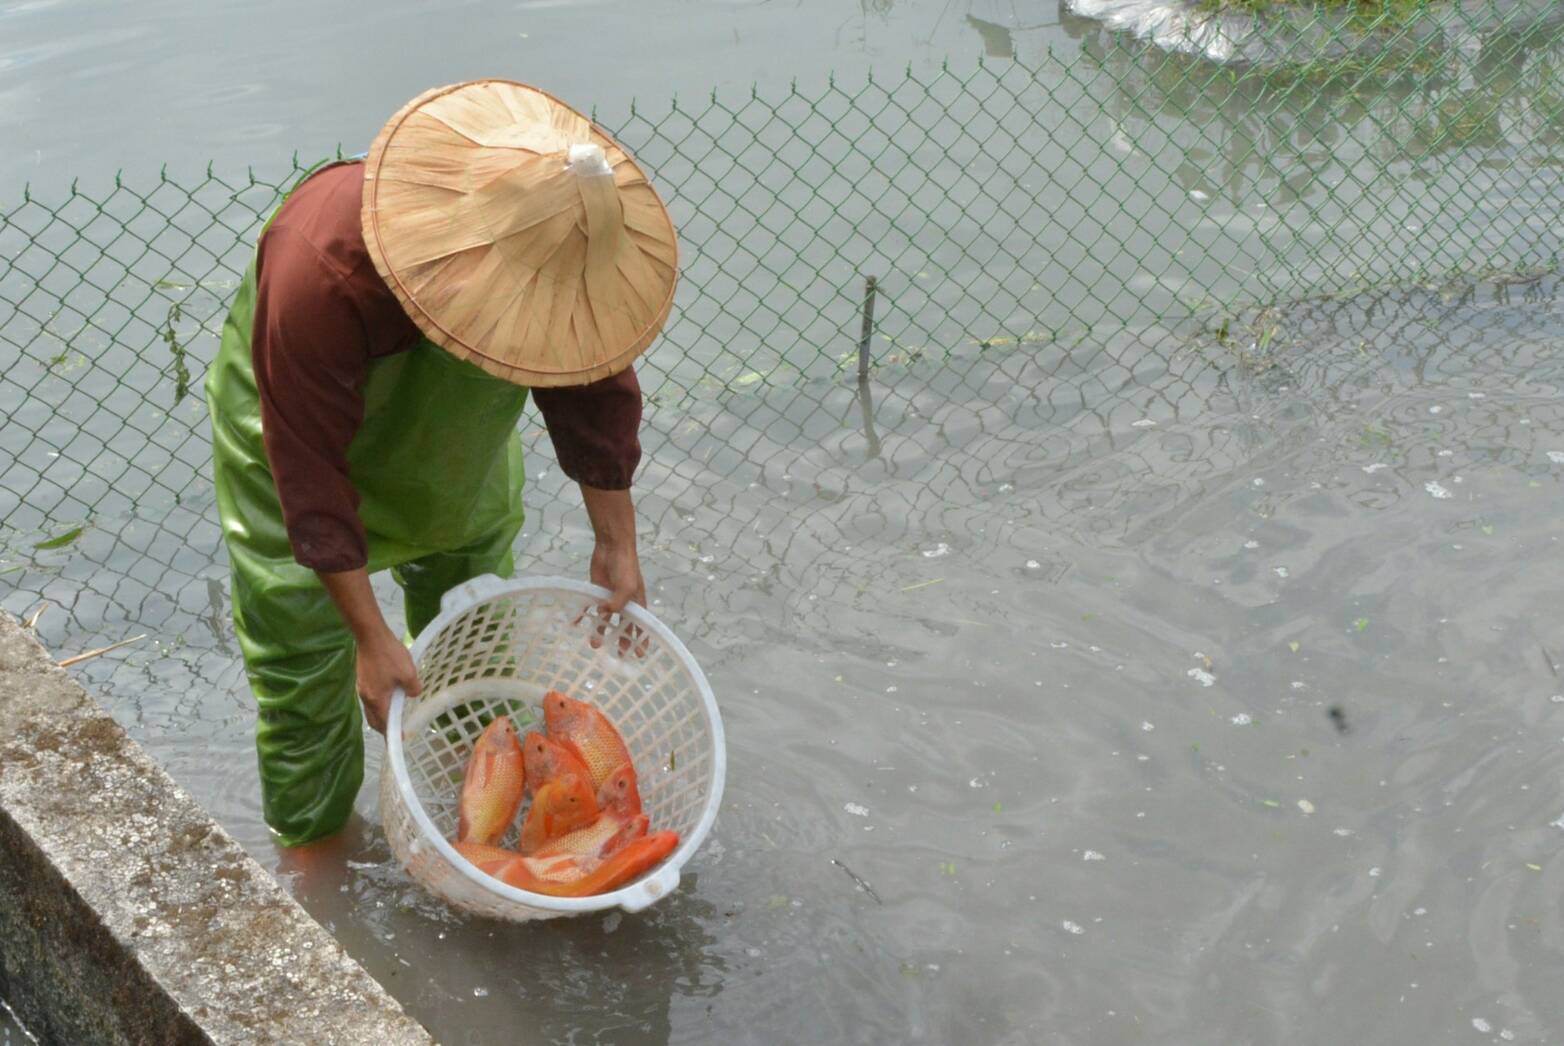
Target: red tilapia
column 587, row 731
column 547, row 760
column 567, row 876
column 604, row 837
column 620, row 794
column 559, row 807
column 493, row 785
column 487, row 859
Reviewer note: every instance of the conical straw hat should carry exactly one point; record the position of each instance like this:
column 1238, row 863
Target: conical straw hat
column 517, row 235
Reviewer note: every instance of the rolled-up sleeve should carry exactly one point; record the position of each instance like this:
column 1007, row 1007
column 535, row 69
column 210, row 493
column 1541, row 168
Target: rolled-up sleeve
column 311, row 356
column 596, row 429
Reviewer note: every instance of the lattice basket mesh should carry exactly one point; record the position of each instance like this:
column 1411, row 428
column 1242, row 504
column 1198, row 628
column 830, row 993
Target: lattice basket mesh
column 495, row 649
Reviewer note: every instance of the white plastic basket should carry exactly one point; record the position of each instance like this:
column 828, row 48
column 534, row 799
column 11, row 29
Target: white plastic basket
column 499, row 646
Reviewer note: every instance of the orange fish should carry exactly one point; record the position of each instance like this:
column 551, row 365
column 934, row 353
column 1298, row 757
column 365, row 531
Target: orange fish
column 488, row 859
column 492, row 787
column 546, row 760
column 588, row 732
column 559, row 807
column 568, row 877
column 602, row 838
column 620, row 794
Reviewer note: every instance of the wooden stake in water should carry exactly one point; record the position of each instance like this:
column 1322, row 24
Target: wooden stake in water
column 868, row 329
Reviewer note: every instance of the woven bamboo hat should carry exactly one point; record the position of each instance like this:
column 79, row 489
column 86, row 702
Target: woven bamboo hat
column 517, row 235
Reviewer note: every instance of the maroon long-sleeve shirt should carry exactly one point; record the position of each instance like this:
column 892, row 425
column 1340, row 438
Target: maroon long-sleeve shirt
column 322, row 314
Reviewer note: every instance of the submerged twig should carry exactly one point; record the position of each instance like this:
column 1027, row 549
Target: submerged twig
column 1552, row 665
column 863, row 883
column 101, row 650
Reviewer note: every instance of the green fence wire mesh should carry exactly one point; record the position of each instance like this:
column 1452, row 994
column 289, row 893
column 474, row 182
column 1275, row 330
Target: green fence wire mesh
column 1000, row 207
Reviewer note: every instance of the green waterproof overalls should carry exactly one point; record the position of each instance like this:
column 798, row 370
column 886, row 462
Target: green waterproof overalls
column 438, row 466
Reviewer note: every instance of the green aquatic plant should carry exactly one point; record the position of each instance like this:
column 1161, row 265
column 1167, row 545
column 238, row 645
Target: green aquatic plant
column 1365, row 10
column 181, row 371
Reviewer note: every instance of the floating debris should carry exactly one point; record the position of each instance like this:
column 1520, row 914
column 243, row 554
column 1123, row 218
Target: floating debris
column 937, row 551
column 1243, row 719
column 1201, row 676
column 1436, row 490
column 61, row 541
column 101, row 650
column 856, row 809
column 1092, row 855
column 1306, row 806
column 863, row 884
column 1338, row 716
column 1073, row 927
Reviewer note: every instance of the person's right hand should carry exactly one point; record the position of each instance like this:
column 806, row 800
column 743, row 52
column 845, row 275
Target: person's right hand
column 383, row 665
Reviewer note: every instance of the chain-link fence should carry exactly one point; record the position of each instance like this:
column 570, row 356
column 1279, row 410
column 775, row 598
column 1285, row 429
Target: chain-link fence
column 999, row 207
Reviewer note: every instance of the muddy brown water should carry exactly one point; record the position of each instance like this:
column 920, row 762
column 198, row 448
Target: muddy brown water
column 1028, row 661
column 1028, row 656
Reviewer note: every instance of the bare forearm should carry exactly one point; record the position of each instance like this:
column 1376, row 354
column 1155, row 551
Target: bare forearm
column 612, row 513
column 615, row 563
column 383, row 663
column 350, row 590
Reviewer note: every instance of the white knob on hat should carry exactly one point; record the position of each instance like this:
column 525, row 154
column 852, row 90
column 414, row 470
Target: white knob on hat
column 588, row 160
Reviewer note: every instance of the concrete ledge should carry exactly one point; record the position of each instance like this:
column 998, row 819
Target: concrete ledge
column 128, row 916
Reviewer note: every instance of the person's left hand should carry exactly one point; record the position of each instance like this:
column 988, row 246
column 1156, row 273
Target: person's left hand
column 617, row 568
